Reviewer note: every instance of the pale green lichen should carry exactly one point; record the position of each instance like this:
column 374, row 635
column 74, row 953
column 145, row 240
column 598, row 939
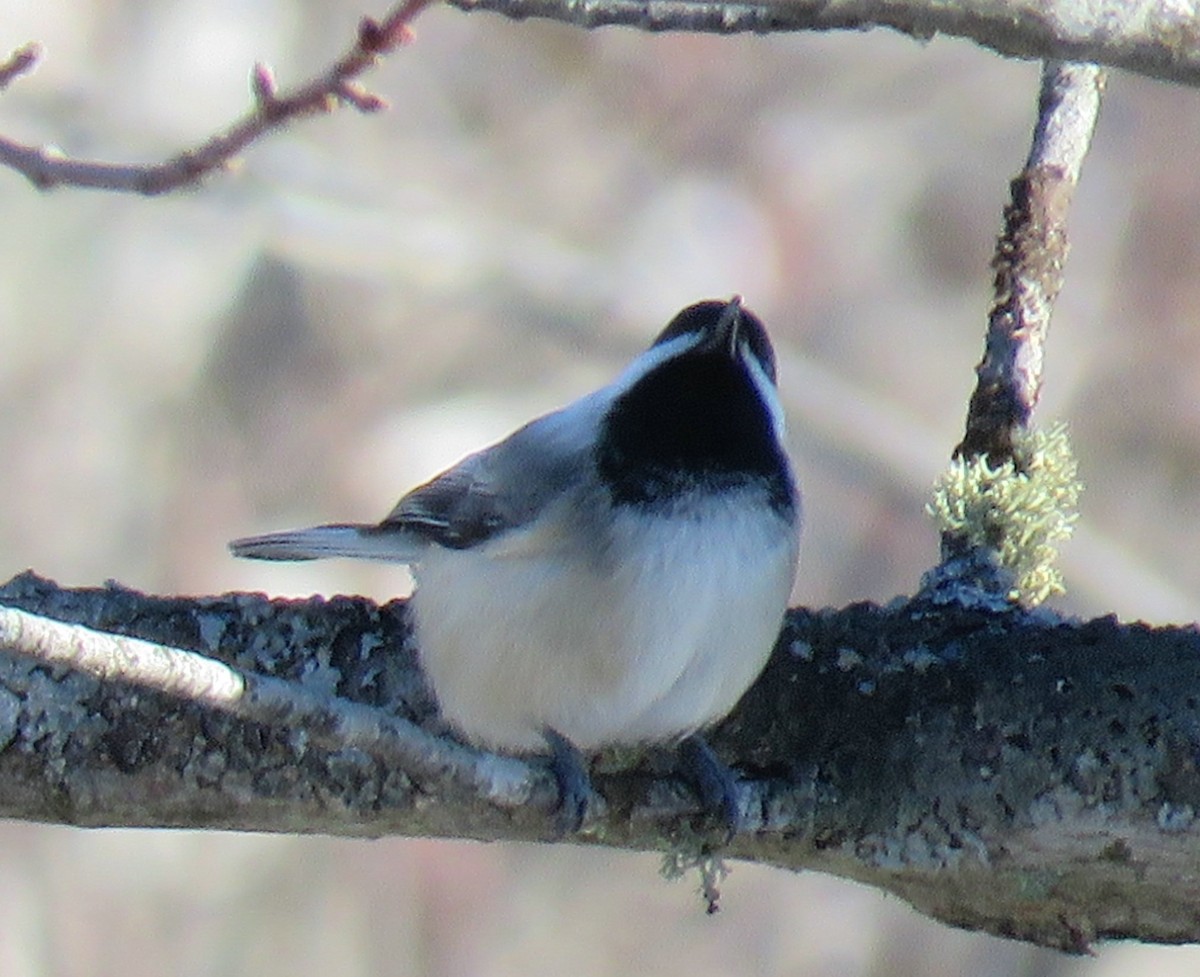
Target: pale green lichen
column 690, row 852
column 1020, row 510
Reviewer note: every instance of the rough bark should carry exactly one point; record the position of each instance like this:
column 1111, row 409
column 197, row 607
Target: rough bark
column 1003, row 771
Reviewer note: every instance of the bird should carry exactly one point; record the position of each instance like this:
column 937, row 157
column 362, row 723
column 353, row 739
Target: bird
column 613, row 573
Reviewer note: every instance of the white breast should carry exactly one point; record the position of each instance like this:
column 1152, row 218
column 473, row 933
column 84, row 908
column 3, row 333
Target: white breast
column 647, row 638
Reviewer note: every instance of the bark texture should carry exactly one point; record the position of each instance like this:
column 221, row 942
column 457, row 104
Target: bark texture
column 1005, row 771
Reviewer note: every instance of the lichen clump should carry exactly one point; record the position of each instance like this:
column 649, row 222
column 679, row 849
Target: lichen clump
column 1021, row 509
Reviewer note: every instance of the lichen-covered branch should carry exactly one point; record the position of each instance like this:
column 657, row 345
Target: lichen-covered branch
column 330, row 721
column 1002, row 771
column 47, row 168
column 1011, row 489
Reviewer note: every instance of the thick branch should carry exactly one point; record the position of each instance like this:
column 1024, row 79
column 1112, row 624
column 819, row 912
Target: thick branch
column 1002, row 771
column 1158, row 38
column 331, row 722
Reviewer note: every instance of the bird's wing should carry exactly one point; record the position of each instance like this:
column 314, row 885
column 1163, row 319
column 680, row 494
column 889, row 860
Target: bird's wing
column 351, row 540
column 487, row 494
column 501, row 488
column 456, row 509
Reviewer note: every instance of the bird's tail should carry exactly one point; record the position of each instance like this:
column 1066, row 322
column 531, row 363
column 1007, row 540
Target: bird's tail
column 356, row 542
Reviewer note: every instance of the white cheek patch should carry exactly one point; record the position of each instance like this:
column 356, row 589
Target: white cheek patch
column 654, row 357
column 580, row 419
column 766, row 390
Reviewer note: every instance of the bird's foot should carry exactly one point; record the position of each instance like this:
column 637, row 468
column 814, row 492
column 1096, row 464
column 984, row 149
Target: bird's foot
column 574, row 784
column 716, row 783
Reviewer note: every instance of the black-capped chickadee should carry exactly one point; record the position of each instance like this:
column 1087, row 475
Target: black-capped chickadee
column 613, row 573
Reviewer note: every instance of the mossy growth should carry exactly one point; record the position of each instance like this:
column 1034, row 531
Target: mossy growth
column 690, row 852
column 1020, row 509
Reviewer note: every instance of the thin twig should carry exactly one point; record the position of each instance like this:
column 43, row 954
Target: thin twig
column 47, row 168
column 1029, row 261
column 331, row 722
column 23, row 60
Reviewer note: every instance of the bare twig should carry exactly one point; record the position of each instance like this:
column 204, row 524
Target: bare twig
column 23, row 60
column 47, row 168
column 1029, row 261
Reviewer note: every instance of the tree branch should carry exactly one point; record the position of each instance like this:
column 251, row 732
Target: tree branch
column 332, row 723
column 47, row 168
column 1151, row 37
column 1029, row 261
column 1010, row 490
column 20, row 62
column 1003, row 771
column 1157, row 38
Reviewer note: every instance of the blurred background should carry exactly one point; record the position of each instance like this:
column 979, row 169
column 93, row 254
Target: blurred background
column 365, row 299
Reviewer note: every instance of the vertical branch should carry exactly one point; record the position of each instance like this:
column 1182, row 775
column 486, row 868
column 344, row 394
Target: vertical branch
column 1010, row 492
column 1029, row 261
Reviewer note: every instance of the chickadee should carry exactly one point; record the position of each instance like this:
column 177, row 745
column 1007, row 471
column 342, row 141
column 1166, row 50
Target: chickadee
column 613, row 573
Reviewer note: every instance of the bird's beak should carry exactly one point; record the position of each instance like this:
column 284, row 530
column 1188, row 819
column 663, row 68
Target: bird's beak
column 727, row 329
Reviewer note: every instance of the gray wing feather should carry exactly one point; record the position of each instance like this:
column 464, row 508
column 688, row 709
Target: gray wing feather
column 320, row 542
column 500, row 488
